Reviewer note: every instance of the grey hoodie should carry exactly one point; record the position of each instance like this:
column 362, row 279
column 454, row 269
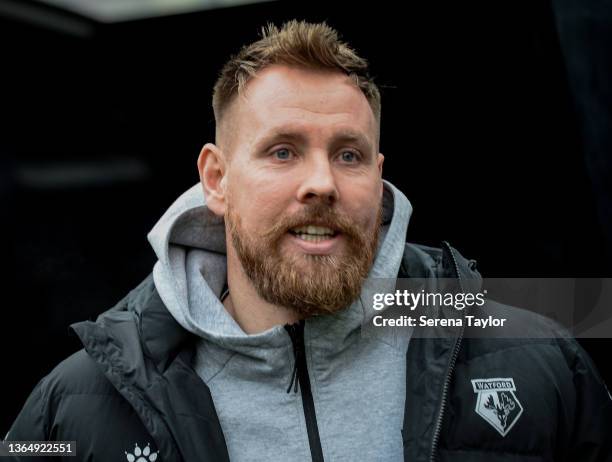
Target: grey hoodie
column 357, row 381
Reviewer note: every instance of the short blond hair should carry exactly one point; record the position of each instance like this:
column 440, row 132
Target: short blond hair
column 301, row 44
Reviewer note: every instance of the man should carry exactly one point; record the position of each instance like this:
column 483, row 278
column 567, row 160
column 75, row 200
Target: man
column 247, row 341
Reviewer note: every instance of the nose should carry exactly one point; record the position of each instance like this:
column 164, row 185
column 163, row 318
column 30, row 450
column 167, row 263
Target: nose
column 318, row 181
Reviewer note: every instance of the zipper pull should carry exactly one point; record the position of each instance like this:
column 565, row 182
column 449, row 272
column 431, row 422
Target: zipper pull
column 296, row 333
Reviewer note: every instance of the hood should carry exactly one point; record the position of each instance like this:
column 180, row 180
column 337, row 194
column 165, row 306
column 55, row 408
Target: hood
column 191, row 271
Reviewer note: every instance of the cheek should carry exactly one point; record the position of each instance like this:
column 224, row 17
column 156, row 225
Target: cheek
column 362, row 199
column 258, row 203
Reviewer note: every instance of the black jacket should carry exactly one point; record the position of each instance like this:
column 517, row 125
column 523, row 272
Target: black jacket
column 133, row 384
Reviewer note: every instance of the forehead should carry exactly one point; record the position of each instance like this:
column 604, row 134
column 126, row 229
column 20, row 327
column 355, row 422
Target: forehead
column 312, row 99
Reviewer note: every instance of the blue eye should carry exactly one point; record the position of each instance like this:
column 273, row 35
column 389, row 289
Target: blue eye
column 348, row 156
column 282, row 154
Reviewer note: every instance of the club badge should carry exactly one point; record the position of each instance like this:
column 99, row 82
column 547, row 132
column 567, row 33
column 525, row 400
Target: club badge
column 497, row 403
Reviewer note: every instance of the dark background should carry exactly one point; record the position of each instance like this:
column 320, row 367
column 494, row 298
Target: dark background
column 496, row 124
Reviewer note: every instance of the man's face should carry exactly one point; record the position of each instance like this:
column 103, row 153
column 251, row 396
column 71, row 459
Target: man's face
column 303, row 187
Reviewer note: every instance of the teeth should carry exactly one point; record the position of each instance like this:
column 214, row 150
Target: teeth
column 314, row 230
column 312, row 238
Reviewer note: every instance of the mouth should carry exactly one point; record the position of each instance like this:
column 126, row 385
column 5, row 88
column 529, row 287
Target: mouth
column 315, row 239
column 313, row 233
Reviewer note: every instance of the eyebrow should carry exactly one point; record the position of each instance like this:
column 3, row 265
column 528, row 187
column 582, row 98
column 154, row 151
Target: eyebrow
column 290, row 134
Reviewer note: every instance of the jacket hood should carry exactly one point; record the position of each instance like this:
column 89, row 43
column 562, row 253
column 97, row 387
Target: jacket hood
column 190, row 274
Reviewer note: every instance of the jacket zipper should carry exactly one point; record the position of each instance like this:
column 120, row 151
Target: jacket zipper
column 300, row 371
column 449, row 373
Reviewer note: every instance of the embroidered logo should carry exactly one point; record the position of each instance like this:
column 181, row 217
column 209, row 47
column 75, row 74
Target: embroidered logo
column 141, row 455
column 497, row 403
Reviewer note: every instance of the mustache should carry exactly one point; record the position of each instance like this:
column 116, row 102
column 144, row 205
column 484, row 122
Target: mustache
column 317, row 213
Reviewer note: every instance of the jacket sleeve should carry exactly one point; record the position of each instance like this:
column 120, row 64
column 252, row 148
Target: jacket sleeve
column 592, row 432
column 32, row 423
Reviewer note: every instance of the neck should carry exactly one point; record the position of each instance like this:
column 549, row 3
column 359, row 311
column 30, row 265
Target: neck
column 252, row 313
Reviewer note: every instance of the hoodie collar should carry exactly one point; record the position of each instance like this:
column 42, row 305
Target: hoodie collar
column 189, row 241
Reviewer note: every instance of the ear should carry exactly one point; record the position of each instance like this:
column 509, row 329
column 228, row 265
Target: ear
column 380, row 159
column 212, row 169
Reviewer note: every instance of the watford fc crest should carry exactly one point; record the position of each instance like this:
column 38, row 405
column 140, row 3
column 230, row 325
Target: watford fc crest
column 497, row 403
